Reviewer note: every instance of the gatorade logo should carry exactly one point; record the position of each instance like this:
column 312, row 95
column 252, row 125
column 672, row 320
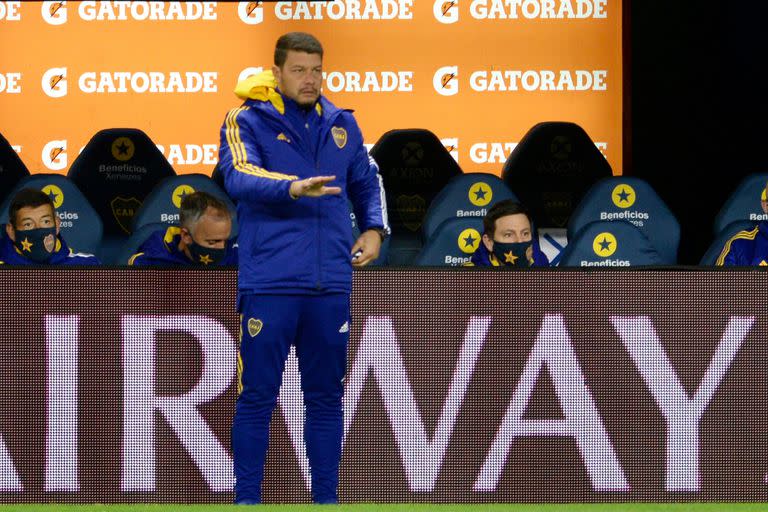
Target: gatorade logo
column 123, row 149
column 480, row 194
column 54, row 13
column 445, row 81
column 249, row 72
column 54, row 155
column 623, row 196
column 54, row 82
column 604, row 244
column 251, row 13
column 55, row 193
column 469, row 240
column 179, row 193
column 452, row 146
column 446, row 11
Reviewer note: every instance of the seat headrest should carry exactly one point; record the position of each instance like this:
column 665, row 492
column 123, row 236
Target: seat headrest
column 552, row 168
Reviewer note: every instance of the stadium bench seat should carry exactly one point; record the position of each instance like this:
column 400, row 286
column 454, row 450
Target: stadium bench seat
column 552, row 168
column 414, row 166
column 632, row 200
column 611, row 244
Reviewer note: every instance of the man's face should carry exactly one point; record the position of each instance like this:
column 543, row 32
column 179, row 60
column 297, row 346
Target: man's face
column 33, row 218
column 510, row 229
column 212, row 230
column 300, row 77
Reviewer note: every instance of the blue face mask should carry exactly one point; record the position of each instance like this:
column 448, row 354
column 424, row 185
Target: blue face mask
column 36, row 244
column 518, row 254
column 206, row 256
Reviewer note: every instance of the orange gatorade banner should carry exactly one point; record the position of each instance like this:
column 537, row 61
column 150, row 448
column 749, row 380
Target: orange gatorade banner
column 478, row 73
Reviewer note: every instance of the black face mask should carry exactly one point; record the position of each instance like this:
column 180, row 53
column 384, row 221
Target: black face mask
column 206, row 256
column 36, row 244
column 518, row 254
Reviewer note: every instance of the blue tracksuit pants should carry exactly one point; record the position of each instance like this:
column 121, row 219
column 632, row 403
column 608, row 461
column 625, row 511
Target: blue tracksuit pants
column 318, row 325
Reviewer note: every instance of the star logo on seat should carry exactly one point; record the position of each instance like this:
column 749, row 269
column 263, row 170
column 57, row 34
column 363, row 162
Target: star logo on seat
column 468, row 240
column 179, row 193
column 205, row 259
column 604, row 244
column 55, row 194
column 623, row 196
column 123, row 149
column 26, row 245
column 480, row 194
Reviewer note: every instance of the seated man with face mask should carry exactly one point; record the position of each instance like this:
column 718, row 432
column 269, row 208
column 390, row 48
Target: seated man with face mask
column 508, row 239
column 32, row 235
column 202, row 237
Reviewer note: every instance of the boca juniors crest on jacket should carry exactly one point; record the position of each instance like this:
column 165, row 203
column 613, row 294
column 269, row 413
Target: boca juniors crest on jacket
column 296, row 245
column 62, row 254
column 161, row 249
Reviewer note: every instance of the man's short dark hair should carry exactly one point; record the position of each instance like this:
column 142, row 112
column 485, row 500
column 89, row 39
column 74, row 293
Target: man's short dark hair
column 499, row 210
column 297, row 42
column 27, row 198
column 194, row 205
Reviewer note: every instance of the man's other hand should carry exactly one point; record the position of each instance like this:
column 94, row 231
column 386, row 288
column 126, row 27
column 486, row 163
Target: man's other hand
column 368, row 246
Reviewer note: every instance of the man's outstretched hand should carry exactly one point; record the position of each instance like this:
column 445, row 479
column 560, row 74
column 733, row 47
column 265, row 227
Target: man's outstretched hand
column 313, row 187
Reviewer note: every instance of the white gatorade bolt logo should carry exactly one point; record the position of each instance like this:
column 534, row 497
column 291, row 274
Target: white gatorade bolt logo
column 446, row 11
column 54, row 82
column 54, row 155
column 445, row 80
column 54, row 13
column 251, row 13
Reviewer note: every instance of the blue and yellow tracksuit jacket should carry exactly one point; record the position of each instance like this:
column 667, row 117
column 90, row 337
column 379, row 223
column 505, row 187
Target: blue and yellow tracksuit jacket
column 62, row 255
column 161, row 249
column 746, row 248
column 296, row 245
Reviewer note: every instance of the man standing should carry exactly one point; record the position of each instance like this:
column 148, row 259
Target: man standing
column 291, row 160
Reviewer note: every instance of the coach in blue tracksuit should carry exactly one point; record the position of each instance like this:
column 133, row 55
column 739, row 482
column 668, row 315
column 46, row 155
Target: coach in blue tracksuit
column 291, row 160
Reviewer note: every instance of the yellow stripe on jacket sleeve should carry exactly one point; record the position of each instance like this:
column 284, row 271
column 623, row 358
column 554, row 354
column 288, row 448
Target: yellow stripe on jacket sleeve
column 132, row 260
column 239, row 154
column 741, row 235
